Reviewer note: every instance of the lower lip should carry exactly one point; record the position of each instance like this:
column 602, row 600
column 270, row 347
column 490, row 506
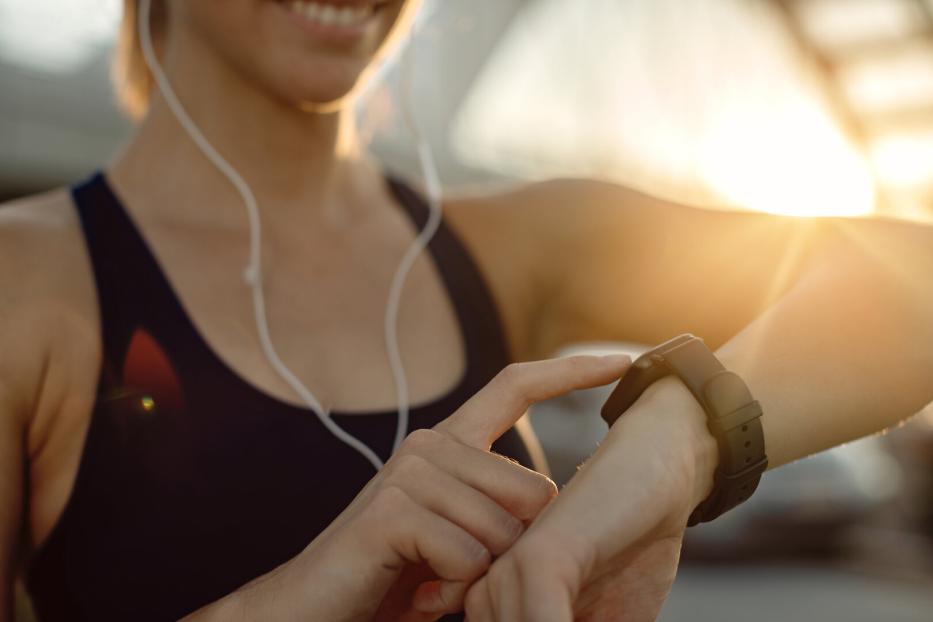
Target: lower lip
column 332, row 33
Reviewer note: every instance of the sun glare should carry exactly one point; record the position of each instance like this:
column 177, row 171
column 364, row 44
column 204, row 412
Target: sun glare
column 794, row 162
column 905, row 161
column 713, row 104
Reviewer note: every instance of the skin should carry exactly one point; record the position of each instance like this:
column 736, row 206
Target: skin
column 785, row 302
column 843, row 351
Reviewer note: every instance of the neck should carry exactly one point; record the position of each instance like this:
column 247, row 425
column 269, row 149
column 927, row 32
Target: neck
column 287, row 155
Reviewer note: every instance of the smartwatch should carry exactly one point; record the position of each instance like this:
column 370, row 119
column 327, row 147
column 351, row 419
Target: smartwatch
column 732, row 416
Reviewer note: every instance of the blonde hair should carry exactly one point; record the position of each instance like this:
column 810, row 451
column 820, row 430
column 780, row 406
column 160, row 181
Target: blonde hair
column 132, row 81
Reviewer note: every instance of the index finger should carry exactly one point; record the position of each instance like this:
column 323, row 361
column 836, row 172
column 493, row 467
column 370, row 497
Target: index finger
column 502, row 402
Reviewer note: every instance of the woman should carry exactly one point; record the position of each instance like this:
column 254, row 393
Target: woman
column 159, row 467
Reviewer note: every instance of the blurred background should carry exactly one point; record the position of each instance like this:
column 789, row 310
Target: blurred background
column 804, row 107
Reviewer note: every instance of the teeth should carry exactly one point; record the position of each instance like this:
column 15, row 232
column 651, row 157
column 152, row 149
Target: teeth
column 330, row 15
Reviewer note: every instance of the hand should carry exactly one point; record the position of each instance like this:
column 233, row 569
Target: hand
column 607, row 548
column 431, row 521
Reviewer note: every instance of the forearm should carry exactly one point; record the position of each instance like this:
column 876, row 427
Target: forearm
column 313, row 585
column 846, row 351
column 254, row 601
column 849, row 350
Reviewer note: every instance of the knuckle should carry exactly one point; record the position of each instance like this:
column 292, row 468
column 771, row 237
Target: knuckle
column 476, row 554
column 389, row 501
column 419, row 438
column 531, row 491
column 512, row 528
column 536, row 495
column 515, row 381
column 407, row 468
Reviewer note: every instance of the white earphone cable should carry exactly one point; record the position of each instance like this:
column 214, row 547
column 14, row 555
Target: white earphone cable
column 434, row 195
column 253, row 271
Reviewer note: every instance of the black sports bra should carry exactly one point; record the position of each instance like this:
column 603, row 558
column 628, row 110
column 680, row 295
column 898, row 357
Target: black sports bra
column 192, row 482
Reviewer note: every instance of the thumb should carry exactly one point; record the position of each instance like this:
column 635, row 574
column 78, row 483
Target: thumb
column 502, row 402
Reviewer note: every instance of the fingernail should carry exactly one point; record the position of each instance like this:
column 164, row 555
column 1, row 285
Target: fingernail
column 617, row 359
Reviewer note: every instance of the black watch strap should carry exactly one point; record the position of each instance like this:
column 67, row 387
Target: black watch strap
column 733, row 416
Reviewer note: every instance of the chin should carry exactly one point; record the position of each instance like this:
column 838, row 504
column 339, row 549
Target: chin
column 327, row 86
column 306, row 53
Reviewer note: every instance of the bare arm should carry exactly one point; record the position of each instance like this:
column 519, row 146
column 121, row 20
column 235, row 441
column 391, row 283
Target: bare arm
column 826, row 317
column 829, row 321
column 837, row 346
column 24, row 353
column 639, row 268
column 578, row 260
column 849, row 350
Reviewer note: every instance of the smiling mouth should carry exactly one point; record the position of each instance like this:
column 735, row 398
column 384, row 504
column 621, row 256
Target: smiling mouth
column 332, row 15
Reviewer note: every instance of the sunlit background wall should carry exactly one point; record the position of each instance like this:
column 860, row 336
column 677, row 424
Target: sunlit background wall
column 803, row 107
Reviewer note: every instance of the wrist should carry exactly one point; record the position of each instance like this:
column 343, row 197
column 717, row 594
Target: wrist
column 682, row 435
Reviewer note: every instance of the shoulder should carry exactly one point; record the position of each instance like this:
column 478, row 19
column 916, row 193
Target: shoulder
column 47, row 300
column 46, row 217
column 40, row 248
column 34, row 218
